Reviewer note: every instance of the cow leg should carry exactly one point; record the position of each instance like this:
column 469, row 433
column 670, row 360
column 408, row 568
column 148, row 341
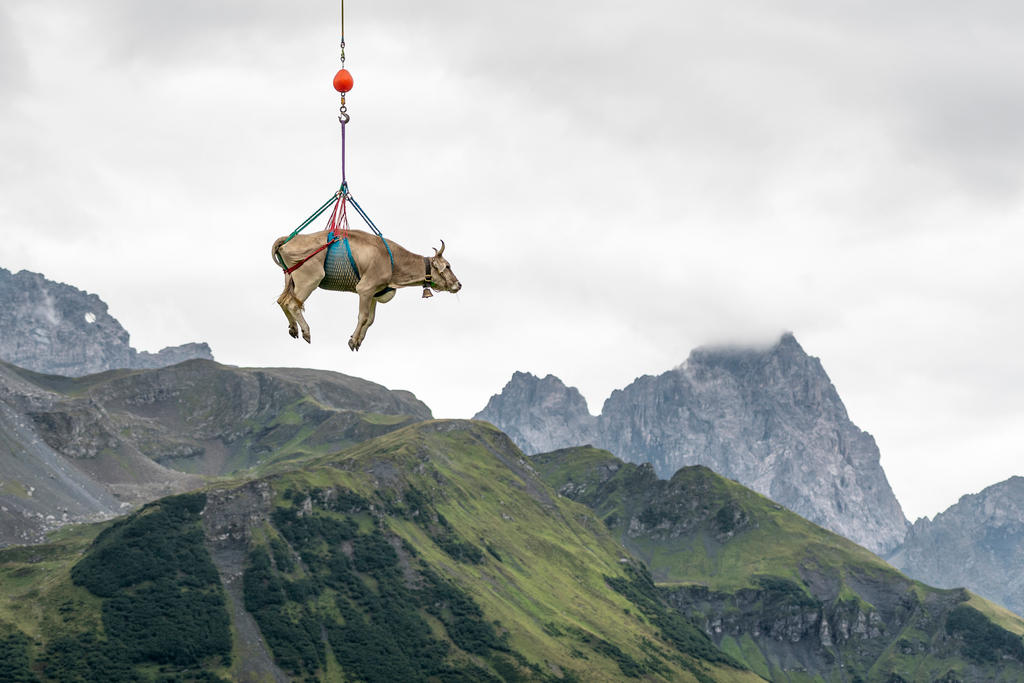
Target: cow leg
column 369, row 321
column 283, row 300
column 367, row 310
column 304, row 284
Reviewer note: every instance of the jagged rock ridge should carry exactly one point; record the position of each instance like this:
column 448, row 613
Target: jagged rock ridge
column 540, row 414
column 978, row 543
column 768, row 418
column 57, row 329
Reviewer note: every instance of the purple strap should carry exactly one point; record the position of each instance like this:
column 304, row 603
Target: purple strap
column 343, row 181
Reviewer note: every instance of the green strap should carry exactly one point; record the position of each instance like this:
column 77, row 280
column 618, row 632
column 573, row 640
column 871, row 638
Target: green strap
column 312, row 218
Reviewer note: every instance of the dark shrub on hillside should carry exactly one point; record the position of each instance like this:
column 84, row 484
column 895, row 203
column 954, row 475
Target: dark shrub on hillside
column 14, row 661
column 780, row 592
column 166, row 624
column 86, row 659
column 283, row 558
column 162, row 539
column 638, row 587
column 297, row 644
column 373, row 553
column 163, row 601
column 984, row 642
column 381, row 598
column 261, row 587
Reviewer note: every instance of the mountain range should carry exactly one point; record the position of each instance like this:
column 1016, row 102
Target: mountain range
column 768, row 418
column 284, row 524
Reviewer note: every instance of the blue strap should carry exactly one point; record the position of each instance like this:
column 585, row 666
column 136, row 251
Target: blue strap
column 352, row 261
column 375, row 230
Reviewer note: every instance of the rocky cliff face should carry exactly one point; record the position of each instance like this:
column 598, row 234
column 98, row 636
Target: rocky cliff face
column 978, row 543
column 57, row 329
column 44, row 486
column 768, row 418
column 540, row 415
column 797, row 633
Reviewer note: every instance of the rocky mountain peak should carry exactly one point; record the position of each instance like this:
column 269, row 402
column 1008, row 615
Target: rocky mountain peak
column 540, row 414
column 57, row 329
column 767, row 417
column 997, row 505
column 984, row 532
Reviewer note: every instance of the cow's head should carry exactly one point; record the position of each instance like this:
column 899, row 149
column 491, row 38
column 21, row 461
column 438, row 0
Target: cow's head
column 441, row 276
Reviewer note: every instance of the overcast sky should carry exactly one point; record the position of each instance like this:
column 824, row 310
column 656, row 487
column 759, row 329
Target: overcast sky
column 617, row 183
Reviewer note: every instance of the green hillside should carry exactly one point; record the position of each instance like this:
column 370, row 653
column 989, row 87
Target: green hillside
column 433, row 552
column 791, row 600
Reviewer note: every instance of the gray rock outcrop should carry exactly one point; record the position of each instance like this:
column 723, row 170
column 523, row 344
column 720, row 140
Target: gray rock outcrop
column 57, row 329
column 768, row 418
column 977, row 543
column 540, row 415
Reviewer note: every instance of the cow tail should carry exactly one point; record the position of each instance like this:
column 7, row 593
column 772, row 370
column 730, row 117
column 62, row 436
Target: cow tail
column 273, row 251
column 289, row 283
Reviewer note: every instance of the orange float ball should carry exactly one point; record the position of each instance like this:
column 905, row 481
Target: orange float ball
column 343, row 81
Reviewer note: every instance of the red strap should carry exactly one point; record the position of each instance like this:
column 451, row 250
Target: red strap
column 331, row 241
column 338, row 223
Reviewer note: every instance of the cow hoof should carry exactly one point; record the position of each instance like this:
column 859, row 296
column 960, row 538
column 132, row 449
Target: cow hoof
column 352, row 344
column 305, row 335
column 294, row 334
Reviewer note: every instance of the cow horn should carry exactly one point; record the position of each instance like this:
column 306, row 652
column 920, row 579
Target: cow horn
column 437, row 254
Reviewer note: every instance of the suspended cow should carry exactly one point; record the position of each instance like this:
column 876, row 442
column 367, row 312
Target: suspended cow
column 351, row 260
column 354, row 261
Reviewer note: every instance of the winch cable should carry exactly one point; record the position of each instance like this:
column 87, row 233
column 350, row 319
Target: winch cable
column 338, row 222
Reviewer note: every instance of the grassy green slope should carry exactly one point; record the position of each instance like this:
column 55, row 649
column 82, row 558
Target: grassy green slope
column 535, row 564
column 443, row 528
column 760, row 574
column 732, row 533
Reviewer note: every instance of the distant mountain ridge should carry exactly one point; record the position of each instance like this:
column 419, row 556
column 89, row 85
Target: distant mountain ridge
column 84, row 449
column 977, row 543
column 57, row 329
column 768, row 418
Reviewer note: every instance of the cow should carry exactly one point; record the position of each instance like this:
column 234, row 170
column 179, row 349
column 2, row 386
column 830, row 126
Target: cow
column 380, row 270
